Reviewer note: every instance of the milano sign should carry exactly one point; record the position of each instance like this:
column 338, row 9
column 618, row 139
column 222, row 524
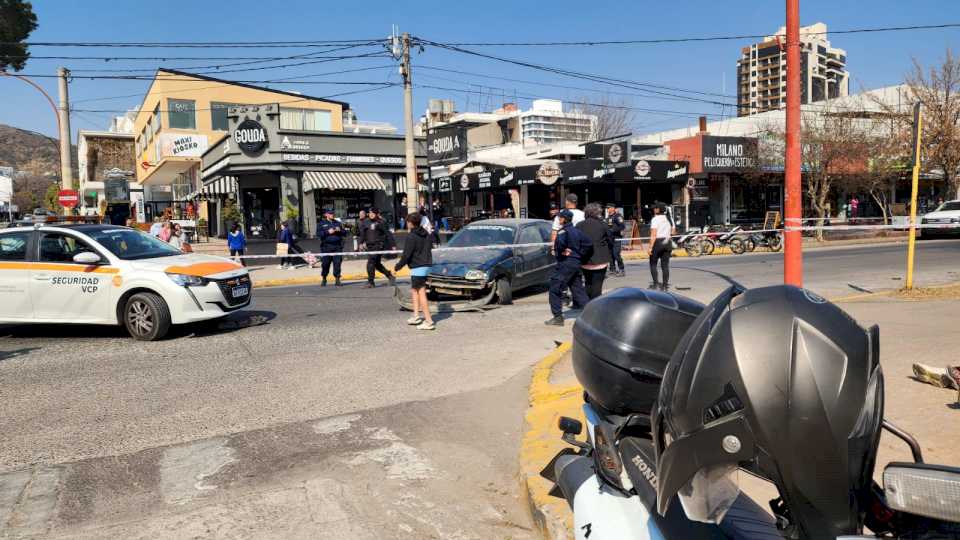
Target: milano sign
column 729, row 154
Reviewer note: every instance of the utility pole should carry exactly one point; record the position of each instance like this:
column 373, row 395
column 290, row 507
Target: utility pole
column 914, row 188
column 66, row 158
column 793, row 207
column 412, row 195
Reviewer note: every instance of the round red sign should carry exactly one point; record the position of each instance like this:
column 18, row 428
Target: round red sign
column 68, row 198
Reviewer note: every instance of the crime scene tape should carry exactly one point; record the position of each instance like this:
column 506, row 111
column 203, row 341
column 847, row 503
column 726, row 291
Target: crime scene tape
column 712, row 234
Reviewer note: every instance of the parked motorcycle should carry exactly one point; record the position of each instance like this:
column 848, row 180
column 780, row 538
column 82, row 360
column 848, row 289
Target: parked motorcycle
column 772, row 240
column 732, row 239
column 692, row 243
column 664, row 438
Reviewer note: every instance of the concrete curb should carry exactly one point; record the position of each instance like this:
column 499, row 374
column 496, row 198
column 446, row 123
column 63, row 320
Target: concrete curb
column 316, row 279
column 541, row 441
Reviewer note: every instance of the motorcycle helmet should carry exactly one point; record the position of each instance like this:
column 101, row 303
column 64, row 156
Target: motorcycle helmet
column 781, row 383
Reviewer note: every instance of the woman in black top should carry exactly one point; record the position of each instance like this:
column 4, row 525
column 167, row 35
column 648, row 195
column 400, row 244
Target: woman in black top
column 417, row 255
column 594, row 267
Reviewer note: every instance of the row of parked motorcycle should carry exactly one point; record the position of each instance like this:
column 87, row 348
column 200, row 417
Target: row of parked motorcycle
column 736, row 239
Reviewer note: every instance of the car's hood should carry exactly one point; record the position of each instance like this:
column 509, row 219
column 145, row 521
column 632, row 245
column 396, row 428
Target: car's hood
column 943, row 214
column 193, row 264
column 457, row 262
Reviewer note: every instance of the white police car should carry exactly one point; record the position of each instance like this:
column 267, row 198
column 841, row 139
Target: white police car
column 105, row 274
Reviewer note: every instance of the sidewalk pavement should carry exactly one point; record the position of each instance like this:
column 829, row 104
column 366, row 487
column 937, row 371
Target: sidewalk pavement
column 913, row 328
column 355, row 268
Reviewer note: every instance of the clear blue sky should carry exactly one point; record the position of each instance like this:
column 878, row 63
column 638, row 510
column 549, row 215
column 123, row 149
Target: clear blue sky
column 873, row 59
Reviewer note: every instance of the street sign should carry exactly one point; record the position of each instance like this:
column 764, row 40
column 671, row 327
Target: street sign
column 68, row 198
column 446, row 146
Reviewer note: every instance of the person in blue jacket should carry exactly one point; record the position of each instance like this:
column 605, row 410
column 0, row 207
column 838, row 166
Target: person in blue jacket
column 237, row 242
column 572, row 247
column 331, row 232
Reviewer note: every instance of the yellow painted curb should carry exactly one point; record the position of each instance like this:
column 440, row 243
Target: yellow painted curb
column 316, row 279
column 541, row 441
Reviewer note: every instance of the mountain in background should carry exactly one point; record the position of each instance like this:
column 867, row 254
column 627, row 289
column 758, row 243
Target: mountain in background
column 31, row 153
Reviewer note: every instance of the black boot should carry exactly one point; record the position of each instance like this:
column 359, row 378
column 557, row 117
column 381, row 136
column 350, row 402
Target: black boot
column 664, row 287
column 337, row 283
column 556, row 321
column 323, row 283
column 655, row 286
column 392, row 279
column 369, row 285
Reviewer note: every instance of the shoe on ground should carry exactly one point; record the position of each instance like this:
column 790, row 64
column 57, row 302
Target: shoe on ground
column 323, row 283
column 392, row 279
column 664, row 287
column 954, row 373
column 426, row 325
column 622, row 273
column 556, row 321
column 654, row 286
column 369, row 285
column 281, row 267
column 413, row 321
column 337, row 283
column 930, row 375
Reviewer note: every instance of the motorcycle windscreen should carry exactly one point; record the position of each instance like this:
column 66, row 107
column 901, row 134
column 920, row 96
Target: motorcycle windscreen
column 710, row 493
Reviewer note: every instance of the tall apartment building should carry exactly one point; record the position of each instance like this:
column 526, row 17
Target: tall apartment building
column 762, row 71
column 546, row 122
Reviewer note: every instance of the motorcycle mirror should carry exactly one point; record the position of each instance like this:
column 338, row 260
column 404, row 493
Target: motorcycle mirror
column 570, row 426
column 925, row 490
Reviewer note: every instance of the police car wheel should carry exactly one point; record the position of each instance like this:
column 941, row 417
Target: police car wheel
column 146, row 317
column 504, row 292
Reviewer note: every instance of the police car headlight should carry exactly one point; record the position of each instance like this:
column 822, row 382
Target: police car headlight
column 185, row 280
column 475, row 275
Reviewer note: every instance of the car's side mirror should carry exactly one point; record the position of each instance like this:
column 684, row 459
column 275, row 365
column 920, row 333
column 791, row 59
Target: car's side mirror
column 86, row 257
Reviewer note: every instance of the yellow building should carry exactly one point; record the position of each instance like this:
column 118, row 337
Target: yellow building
column 184, row 114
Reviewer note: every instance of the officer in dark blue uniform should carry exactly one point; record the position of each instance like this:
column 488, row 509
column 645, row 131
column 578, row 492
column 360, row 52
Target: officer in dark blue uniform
column 571, row 247
column 616, row 225
column 331, row 233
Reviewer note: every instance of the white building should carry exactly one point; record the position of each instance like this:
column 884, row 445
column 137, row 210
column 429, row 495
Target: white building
column 762, row 71
column 547, row 121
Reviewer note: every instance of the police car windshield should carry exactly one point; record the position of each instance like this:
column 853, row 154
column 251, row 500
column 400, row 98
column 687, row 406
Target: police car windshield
column 483, row 235
column 130, row 244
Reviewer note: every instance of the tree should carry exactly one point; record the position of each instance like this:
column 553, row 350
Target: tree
column 17, row 21
column 614, row 116
column 28, row 191
column 834, row 146
column 938, row 88
column 51, row 198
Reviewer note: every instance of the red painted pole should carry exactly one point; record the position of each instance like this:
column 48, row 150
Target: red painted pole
column 793, row 207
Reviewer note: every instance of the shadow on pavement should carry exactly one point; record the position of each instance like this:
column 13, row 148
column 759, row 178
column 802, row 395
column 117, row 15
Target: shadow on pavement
column 237, row 321
column 9, row 355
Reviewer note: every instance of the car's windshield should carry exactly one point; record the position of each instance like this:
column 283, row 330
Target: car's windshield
column 483, row 235
column 949, row 206
column 130, row 244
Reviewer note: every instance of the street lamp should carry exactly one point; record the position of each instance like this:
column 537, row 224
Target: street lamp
column 56, row 111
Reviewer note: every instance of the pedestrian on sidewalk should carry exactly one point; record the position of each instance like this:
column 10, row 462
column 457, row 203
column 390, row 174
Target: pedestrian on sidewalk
column 616, row 225
column 237, row 242
column 374, row 236
column 417, row 254
column 597, row 259
column 571, row 245
column 331, row 233
column 287, row 237
column 165, row 231
column 156, row 227
column 660, row 248
column 176, row 236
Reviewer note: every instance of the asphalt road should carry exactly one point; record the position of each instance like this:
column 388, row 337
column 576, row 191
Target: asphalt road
column 317, row 411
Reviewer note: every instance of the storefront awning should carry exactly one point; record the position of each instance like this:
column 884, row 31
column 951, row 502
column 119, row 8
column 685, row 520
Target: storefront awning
column 223, row 185
column 341, row 180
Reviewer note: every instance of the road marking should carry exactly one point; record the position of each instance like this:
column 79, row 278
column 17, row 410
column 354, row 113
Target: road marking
column 28, row 501
column 401, row 461
column 335, row 424
column 185, row 468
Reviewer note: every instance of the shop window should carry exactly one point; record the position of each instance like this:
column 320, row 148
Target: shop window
column 181, row 113
column 305, row 119
column 218, row 115
column 155, row 120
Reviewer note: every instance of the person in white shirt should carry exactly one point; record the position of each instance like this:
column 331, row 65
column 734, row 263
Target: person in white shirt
column 660, row 247
column 570, row 203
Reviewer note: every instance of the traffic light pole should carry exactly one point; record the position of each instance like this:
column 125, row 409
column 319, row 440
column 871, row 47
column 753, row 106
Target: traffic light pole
column 793, row 254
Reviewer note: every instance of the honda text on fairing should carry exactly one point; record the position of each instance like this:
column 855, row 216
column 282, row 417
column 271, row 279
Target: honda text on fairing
column 492, row 274
column 105, row 274
column 776, row 381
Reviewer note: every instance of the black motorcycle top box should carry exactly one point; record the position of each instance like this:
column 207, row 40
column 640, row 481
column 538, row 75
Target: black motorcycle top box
column 622, row 342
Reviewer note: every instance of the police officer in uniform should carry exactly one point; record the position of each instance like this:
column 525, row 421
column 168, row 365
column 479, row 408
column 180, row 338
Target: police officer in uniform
column 571, row 247
column 616, row 225
column 374, row 236
column 331, row 233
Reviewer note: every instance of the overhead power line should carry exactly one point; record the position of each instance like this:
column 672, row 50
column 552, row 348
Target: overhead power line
column 694, row 39
column 195, row 44
column 221, row 85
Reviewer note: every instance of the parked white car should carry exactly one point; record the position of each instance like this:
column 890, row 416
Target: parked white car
column 947, row 215
column 105, row 274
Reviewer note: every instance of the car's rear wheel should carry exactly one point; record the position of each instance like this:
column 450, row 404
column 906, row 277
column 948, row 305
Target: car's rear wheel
column 504, row 292
column 146, row 317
